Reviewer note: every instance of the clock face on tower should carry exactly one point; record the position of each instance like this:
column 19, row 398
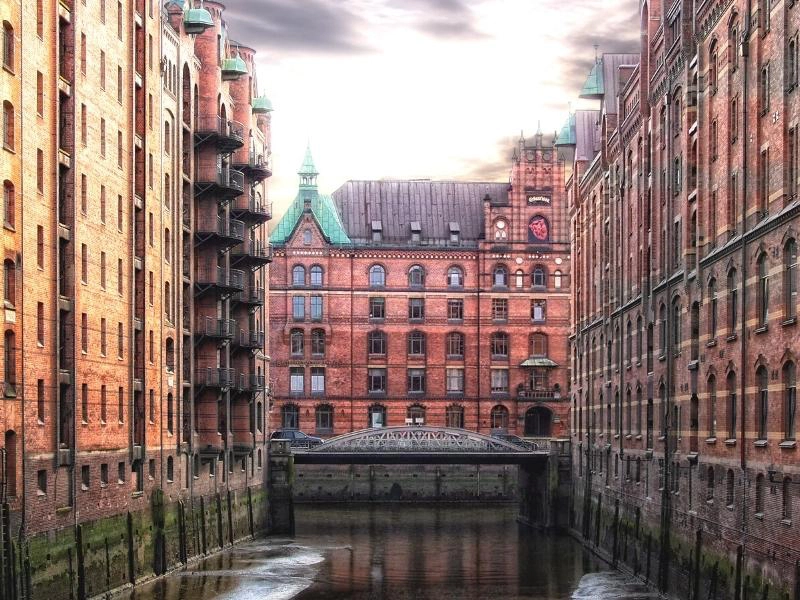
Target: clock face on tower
column 538, row 229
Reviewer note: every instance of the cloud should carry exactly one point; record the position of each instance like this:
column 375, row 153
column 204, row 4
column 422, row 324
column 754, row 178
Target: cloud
column 495, row 166
column 291, row 26
column 451, row 19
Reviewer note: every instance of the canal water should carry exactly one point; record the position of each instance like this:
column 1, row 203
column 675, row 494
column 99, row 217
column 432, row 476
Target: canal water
column 401, row 552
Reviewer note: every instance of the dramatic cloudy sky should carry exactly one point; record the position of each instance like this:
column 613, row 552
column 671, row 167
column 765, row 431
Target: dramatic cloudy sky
column 419, row 88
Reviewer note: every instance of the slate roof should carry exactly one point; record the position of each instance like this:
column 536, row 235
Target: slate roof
column 438, row 206
column 587, row 134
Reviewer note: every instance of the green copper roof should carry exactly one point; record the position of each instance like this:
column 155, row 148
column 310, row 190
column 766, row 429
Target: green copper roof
column 594, row 88
column 325, row 214
column 262, row 104
column 234, row 66
column 566, row 137
column 538, row 361
column 197, row 19
column 308, row 168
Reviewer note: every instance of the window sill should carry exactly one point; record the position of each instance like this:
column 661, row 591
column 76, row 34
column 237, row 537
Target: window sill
column 788, row 444
column 760, row 329
column 759, row 516
column 711, row 441
column 711, row 343
column 730, row 442
column 732, row 337
column 791, row 321
column 761, row 443
column 787, row 522
column 639, row 437
column 662, row 358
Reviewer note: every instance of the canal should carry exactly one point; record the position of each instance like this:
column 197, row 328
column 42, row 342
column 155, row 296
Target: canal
column 401, row 552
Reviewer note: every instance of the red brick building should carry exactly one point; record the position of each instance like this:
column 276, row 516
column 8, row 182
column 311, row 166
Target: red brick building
column 684, row 223
column 444, row 303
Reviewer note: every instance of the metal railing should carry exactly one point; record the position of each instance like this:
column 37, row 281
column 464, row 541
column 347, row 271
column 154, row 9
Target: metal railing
column 251, row 339
column 215, row 377
column 250, row 295
column 537, row 394
column 218, row 328
column 222, row 226
column 215, row 275
column 221, row 127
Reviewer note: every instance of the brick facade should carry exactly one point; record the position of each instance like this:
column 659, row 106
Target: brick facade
column 359, row 385
column 684, row 305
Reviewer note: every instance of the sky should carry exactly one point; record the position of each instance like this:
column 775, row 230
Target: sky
column 420, row 89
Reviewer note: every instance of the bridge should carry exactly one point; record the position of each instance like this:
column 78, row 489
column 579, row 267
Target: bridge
column 421, row 445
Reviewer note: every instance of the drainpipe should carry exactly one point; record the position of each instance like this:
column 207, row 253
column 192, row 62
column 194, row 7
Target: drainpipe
column 22, row 287
column 352, row 357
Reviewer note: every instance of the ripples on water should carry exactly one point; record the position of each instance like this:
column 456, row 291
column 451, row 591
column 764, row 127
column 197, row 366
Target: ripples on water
column 402, row 552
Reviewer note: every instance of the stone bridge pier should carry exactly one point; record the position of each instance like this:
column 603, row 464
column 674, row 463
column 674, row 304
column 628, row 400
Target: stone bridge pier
column 279, row 490
column 544, row 488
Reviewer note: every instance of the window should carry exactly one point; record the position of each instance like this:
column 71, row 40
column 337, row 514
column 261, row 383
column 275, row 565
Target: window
column 538, row 310
column 500, row 276
column 731, row 381
column 762, row 402
column 454, row 379
column 377, row 308
column 557, row 280
column 455, row 309
column 789, row 401
column 39, row 94
column 299, row 276
column 9, row 283
column 762, row 292
column 8, row 46
column 415, row 414
column 763, row 90
column 538, row 344
column 9, row 204
column 734, row 120
column 296, row 380
column 732, row 302
column 540, row 379
column 296, row 342
column 499, row 345
column 416, row 381
column 730, row 483
column 454, row 417
column 710, row 485
column 317, row 380
column 712, row 67
column 317, row 342
column 85, row 477
column 455, row 277
column 40, row 400
column 290, row 416
column 324, row 415
column 499, row 417
column 376, row 343
column 712, row 406
column 416, row 343
column 84, row 333
column 298, row 308
column 712, row 308
column 519, row 278
column 763, row 178
column 39, row 170
column 377, row 276
column 84, row 403
column 539, row 277
column 40, row 323
column 787, row 498
column 793, row 153
column 791, row 64
column 455, row 345
column 416, row 276
column 10, row 357
column 316, row 276
column 103, row 404
column 499, row 309
column 103, row 270
column 8, row 125
column 102, row 70
column 416, row 309
column 376, row 382
column 41, row 482
column 500, row 230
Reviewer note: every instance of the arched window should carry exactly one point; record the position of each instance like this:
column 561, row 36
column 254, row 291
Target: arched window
column 733, row 302
column 730, row 483
column 790, row 279
column 316, row 276
column 760, row 494
column 499, row 345
column 170, row 469
column 307, row 237
column 628, row 341
column 167, row 138
column 167, row 302
column 376, row 343
column 662, row 314
column 377, row 276
column 712, row 67
column 454, row 416
column 557, row 277
column 638, row 410
column 711, row 413
column 539, row 276
column 416, row 276
column 538, row 344
column 694, row 323
column 9, row 283
column 416, row 413
column 317, row 342
column 376, row 416
column 710, row 484
column 762, row 291
column 10, row 363
column 170, row 413
column 731, row 408
column 297, row 342
column 455, row 277
column 787, row 498
column 455, row 345
column 169, row 351
column 8, row 45
column 733, row 44
column 500, row 276
column 11, row 463
column 639, row 338
column 298, row 276
column 499, row 417
column 8, row 125
column 789, row 400
column 9, row 205
column 500, row 230
column 712, row 308
column 416, row 343
column 519, row 278
column 290, row 416
column 324, row 418
column 762, row 402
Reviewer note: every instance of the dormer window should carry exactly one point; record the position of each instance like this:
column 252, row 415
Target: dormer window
column 455, row 233
column 377, row 231
column 416, row 232
column 306, row 237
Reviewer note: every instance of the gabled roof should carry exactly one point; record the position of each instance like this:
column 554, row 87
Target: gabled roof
column 587, row 134
column 566, row 137
column 324, row 212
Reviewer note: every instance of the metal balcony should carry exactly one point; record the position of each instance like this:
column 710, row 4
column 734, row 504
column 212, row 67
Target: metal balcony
column 215, row 378
column 538, row 395
column 249, row 340
column 256, row 165
column 222, row 184
column 219, row 230
column 251, row 209
column 226, row 134
column 243, row 443
column 215, row 329
column 219, row 280
column 252, row 253
column 252, row 296
column 248, row 383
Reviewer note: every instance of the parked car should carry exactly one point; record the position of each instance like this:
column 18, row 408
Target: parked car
column 515, row 439
column 297, row 438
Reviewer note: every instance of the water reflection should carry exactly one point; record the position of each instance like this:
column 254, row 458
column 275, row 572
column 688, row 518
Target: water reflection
column 401, row 552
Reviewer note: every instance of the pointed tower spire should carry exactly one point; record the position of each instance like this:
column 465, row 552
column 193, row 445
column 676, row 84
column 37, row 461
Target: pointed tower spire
column 308, row 171
column 539, row 134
